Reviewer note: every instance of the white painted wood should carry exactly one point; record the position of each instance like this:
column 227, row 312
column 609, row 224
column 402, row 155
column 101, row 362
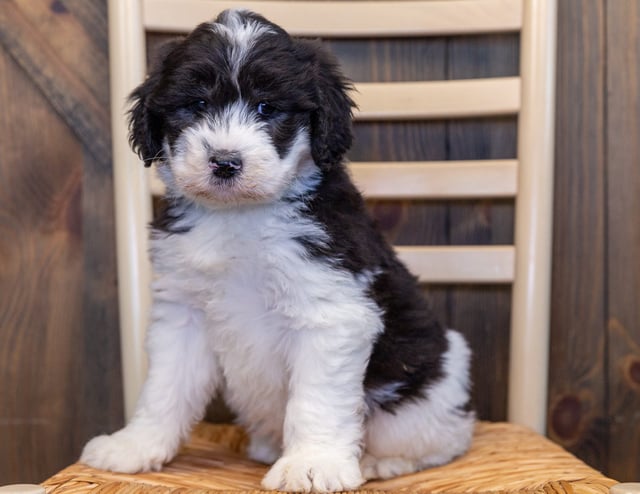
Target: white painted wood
column 625, row 488
column 155, row 184
column 437, row 99
column 22, row 489
column 133, row 204
column 460, row 264
column 349, row 18
column 436, row 179
column 529, row 354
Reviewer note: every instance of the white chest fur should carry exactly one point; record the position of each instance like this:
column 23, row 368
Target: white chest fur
column 258, row 291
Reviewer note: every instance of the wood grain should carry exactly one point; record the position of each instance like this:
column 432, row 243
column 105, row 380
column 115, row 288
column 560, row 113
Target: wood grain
column 66, row 90
column 91, row 15
column 41, row 279
column 623, row 240
column 60, row 378
column 58, row 24
column 577, row 391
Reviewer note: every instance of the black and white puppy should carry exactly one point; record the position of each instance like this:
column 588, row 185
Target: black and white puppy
column 272, row 285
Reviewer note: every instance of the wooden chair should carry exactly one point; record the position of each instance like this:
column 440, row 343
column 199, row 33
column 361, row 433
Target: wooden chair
column 528, row 178
column 505, row 456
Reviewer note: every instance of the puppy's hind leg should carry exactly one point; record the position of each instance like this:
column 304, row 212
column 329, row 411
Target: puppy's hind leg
column 182, row 376
column 263, row 449
column 408, row 442
column 427, row 431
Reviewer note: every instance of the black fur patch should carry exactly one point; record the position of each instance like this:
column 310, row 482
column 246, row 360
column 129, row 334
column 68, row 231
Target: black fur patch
column 407, row 355
column 169, row 216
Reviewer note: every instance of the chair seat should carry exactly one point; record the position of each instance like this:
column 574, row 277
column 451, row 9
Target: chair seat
column 504, row 458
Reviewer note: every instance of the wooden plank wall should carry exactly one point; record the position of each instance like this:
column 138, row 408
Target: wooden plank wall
column 622, row 137
column 60, row 378
column 595, row 321
column 59, row 359
column 577, row 417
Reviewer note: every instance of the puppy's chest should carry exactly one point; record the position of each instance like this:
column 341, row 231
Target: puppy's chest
column 245, row 266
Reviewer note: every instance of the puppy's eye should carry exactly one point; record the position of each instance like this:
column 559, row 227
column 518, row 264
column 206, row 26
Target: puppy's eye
column 198, row 105
column 265, row 109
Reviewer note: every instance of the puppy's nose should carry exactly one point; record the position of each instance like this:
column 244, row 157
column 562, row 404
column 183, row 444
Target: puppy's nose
column 225, row 167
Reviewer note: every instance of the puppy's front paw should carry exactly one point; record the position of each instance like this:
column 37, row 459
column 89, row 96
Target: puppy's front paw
column 317, row 473
column 127, row 452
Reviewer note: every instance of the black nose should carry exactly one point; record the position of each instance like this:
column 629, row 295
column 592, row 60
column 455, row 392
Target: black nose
column 225, row 167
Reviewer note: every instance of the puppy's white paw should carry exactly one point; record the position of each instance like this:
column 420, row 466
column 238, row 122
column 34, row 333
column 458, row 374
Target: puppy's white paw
column 314, row 473
column 127, row 452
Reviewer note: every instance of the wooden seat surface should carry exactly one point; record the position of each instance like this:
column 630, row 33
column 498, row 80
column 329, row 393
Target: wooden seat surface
column 504, row 457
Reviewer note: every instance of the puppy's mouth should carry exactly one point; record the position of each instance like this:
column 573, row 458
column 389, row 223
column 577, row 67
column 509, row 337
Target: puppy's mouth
column 219, row 191
column 226, row 183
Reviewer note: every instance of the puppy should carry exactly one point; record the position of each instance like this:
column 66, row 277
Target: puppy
column 272, row 285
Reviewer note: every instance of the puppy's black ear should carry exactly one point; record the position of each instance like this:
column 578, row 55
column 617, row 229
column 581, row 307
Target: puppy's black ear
column 331, row 133
column 145, row 123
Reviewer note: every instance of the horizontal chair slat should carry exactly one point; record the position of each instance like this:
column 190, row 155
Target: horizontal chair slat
column 349, row 18
column 380, row 101
column 460, row 264
column 436, row 179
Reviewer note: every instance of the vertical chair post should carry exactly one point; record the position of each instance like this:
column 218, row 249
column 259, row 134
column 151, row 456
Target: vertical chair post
column 133, row 202
column 529, row 355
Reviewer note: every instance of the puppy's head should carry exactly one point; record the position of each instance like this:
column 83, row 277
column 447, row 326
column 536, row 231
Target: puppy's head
column 238, row 112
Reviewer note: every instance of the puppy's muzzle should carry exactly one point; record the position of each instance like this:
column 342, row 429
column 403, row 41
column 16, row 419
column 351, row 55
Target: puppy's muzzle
column 225, row 165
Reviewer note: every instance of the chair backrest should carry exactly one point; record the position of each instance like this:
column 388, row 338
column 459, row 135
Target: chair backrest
column 527, row 179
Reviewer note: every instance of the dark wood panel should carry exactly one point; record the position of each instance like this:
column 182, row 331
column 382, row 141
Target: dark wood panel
column 91, row 15
column 577, row 391
column 391, row 59
column 58, row 24
column 60, row 378
column 66, row 88
column 41, row 280
column 623, row 180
